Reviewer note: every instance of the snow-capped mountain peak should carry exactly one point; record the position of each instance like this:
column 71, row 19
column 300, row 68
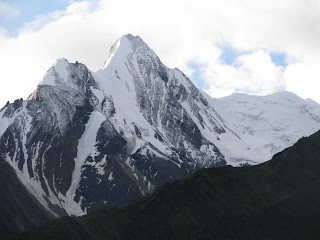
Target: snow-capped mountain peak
column 119, row 49
column 88, row 140
column 57, row 74
column 124, row 47
column 266, row 124
column 138, row 82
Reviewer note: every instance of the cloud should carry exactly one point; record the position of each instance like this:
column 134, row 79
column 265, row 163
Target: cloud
column 180, row 32
column 303, row 78
column 253, row 73
column 8, row 11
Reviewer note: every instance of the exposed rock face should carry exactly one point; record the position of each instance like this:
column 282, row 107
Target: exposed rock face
column 19, row 209
column 85, row 141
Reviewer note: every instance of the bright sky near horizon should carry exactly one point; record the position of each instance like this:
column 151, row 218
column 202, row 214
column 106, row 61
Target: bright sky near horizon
column 255, row 47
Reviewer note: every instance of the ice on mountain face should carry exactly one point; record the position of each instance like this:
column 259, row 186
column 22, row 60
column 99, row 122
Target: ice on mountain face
column 100, row 139
column 147, row 96
column 73, row 86
column 86, row 148
column 266, row 124
column 57, row 74
column 83, row 127
column 122, row 48
column 312, row 102
column 15, row 151
column 110, row 178
column 55, row 113
column 113, row 50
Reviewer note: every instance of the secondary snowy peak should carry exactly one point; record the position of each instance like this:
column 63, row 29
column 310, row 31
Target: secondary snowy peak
column 89, row 140
column 68, row 75
column 64, row 88
column 283, row 97
column 57, row 74
column 84, row 141
column 266, row 124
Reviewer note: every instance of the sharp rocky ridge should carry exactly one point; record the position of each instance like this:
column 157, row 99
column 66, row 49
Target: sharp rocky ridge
column 87, row 140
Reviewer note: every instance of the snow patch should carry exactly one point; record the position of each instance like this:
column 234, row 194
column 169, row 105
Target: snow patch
column 265, row 124
column 58, row 73
column 110, row 178
column 86, row 148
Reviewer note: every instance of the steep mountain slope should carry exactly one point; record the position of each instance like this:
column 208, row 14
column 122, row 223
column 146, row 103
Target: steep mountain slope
column 84, row 141
column 19, row 210
column 279, row 199
column 266, row 124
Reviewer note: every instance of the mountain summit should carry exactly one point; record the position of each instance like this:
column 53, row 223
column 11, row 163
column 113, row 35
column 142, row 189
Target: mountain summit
column 84, row 141
column 87, row 140
column 124, row 46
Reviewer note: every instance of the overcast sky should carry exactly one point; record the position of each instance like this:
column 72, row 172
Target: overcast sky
column 224, row 46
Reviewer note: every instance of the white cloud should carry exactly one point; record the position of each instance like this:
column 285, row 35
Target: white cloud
column 254, row 73
column 8, row 11
column 303, row 78
column 180, row 32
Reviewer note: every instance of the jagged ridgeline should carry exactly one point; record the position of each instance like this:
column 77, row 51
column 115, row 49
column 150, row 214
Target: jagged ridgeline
column 85, row 141
column 279, row 199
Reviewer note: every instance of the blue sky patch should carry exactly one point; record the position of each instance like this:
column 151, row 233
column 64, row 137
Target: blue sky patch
column 229, row 54
column 279, row 58
column 28, row 11
column 197, row 75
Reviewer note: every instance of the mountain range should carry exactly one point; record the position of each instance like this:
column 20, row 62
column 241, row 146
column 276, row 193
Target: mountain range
column 278, row 199
column 85, row 141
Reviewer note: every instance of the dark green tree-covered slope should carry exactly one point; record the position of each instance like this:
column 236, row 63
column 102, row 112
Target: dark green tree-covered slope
column 279, row 199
